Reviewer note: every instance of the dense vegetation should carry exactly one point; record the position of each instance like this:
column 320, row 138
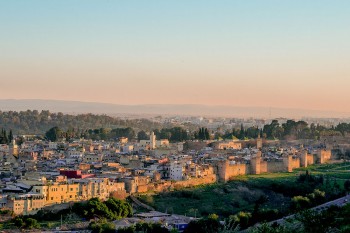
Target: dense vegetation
column 34, row 122
column 333, row 219
column 106, row 127
column 202, row 134
column 111, row 209
column 145, row 227
column 4, row 137
column 257, row 198
column 175, row 134
column 289, row 130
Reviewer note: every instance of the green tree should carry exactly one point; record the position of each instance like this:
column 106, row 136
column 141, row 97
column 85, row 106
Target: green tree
column 31, row 223
column 267, row 228
column 141, row 135
column 150, row 228
column 300, row 203
column 202, row 134
column 10, row 137
column 102, row 226
column 119, row 208
column 347, row 185
column 18, row 222
column 53, row 134
column 207, row 225
column 95, row 208
column 242, row 133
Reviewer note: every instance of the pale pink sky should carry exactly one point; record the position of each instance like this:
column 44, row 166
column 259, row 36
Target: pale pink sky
column 289, row 54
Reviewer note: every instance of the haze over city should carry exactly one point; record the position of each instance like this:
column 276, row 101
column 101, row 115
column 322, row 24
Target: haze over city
column 278, row 54
column 192, row 116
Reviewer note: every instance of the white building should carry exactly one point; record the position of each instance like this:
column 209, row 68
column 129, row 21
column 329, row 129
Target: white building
column 177, row 171
column 152, row 143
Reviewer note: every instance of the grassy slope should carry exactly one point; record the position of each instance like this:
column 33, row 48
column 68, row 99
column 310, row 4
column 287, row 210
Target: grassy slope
column 241, row 193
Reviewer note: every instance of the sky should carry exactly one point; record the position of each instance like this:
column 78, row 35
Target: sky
column 265, row 53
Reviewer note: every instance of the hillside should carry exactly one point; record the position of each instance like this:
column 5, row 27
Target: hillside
column 35, row 122
column 78, row 107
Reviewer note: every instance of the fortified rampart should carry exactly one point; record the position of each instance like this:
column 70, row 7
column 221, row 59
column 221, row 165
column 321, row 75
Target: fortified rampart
column 170, row 185
column 288, row 162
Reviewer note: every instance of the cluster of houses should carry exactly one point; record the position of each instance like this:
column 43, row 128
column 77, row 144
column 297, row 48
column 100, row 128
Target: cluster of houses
column 39, row 174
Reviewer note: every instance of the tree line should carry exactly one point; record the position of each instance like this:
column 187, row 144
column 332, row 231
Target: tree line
column 289, row 130
column 105, row 127
column 5, row 138
column 35, row 122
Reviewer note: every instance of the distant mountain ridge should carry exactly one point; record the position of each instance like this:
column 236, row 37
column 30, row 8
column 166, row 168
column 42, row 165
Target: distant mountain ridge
column 77, row 107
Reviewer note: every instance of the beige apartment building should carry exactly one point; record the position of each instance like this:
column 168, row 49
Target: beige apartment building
column 25, row 203
column 74, row 190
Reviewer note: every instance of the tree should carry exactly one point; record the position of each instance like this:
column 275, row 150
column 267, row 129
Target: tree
column 347, row 185
column 10, row 136
column 202, row 134
column 141, row 135
column 31, row 223
column 111, row 209
column 150, row 227
column 95, row 208
column 53, row 134
column 146, row 227
column 3, row 137
column 267, row 228
column 102, row 226
column 312, row 221
column 121, row 209
column 317, row 197
column 273, row 130
column 24, row 222
column 242, row 133
column 300, row 202
column 18, row 222
column 207, row 225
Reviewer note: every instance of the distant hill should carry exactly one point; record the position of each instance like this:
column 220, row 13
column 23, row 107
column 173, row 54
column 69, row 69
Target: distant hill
column 76, row 107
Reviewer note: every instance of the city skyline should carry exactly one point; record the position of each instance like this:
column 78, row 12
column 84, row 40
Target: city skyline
column 289, row 54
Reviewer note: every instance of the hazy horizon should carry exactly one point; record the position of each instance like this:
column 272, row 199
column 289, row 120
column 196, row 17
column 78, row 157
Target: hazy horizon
column 78, row 107
column 267, row 54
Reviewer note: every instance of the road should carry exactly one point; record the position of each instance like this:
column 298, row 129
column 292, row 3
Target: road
column 337, row 202
column 139, row 203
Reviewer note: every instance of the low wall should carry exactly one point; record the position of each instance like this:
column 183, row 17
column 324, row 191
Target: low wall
column 170, row 185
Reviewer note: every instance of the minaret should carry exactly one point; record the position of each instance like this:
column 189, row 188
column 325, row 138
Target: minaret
column 13, row 148
column 152, row 141
column 259, row 143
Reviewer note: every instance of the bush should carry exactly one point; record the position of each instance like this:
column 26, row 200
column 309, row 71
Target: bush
column 111, row 209
column 102, row 226
column 145, row 227
column 347, row 185
column 31, row 223
column 27, row 223
column 300, row 203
